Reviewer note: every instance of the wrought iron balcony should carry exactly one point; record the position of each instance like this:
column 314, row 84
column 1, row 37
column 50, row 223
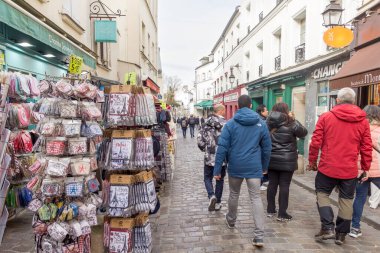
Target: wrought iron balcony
column 260, row 70
column 300, row 53
column 261, row 16
column 277, row 63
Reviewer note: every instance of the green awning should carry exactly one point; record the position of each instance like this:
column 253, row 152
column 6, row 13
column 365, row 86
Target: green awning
column 205, row 104
column 25, row 24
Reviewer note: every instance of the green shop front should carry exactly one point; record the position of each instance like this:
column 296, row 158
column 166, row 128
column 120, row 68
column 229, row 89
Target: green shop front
column 289, row 89
column 29, row 46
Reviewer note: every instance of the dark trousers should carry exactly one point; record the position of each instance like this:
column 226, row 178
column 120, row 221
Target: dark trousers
column 192, row 131
column 360, row 199
column 324, row 185
column 184, row 130
column 277, row 179
column 208, row 177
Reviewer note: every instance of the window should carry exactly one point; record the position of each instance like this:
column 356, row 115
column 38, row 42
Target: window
column 148, row 45
column 71, row 9
column 104, row 54
column 203, row 76
column 302, row 30
column 153, row 53
column 143, row 36
column 323, row 90
column 249, row 29
column 238, row 41
column 247, row 75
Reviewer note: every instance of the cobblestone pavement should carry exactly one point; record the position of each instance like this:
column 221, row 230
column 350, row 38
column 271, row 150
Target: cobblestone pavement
column 185, row 225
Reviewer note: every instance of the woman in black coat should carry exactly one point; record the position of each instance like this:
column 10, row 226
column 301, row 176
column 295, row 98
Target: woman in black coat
column 285, row 130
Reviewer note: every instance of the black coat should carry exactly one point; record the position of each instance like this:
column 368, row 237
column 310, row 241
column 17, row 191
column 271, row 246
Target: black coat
column 284, row 134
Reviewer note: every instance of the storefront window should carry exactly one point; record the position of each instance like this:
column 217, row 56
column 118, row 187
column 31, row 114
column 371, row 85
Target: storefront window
column 323, row 90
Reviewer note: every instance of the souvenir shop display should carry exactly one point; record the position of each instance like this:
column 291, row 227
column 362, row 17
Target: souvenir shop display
column 62, row 181
column 163, row 159
column 127, row 156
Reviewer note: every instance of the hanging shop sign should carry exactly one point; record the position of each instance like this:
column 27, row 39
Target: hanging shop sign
column 130, row 78
column 152, row 85
column 105, row 31
column 327, row 71
column 338, row 37
column 75, row 66
column 2, row 58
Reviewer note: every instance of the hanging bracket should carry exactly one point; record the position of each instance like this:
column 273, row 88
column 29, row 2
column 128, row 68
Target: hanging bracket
column 100, row 10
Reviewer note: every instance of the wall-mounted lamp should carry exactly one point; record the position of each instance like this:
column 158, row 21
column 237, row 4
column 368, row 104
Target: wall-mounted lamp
column 332, row 15
column 232, row 76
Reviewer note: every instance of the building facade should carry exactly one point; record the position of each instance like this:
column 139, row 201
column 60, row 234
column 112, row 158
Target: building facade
column 204, row 87
column 43, row 34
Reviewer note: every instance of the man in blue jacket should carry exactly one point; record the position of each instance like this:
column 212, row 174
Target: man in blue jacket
column 246, row 144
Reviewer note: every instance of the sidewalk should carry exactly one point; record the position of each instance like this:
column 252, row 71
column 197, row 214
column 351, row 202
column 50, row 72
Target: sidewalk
column 306, row 180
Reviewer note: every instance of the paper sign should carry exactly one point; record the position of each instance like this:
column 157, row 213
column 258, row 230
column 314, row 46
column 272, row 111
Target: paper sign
column 75, row 66
column 130, row 78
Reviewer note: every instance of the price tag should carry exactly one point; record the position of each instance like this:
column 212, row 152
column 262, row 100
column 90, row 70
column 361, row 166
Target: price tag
column 2, row 58
column 75, row 66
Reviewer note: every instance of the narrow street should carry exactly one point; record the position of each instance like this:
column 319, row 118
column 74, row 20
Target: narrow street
column 185, row 225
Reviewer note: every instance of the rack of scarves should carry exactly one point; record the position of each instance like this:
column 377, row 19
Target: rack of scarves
column 163, row 160
column 127, row 156
column 63, row 179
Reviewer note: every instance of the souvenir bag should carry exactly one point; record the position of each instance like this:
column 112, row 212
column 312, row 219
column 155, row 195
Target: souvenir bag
column 72, row 128
column 91, row 129
column 22, row 143
column 77, row 146
column 118, row 105
column 57, row 167
column 69, row 212
column 74, row 186
column 23, row 90
column 56, row 146
column 64, row 88
column 90, row 111
column 33, row 86
column 38, row 166
column 81, row 89
column 34, row 205
column 144, row 156
column 151, row 108
column 57, row 232
column 93, row 185
column 122, row 150
column 39, row 227
column 69, row 109
column 23, row 115
column 80, row 167
column 34, row 184
column 121, row 235
column 86, row 228
column 23, row 163
column 72, row 247
column 45, row 87
column 91, row 215
column 48, row 128
column 93, row 163
column 47, row 212
column 120, row 195
column 100, row 98
column 75, row 229
column 142, row 234
column 52, row 187
column 36, row 117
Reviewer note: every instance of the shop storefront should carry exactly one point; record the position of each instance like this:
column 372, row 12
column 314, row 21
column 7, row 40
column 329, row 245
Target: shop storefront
column 362, row 70
column 152, row 86
column 230, row 100
column 29, row 46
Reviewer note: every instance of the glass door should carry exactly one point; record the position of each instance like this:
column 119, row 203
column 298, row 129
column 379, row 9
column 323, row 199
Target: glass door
column 298, row 108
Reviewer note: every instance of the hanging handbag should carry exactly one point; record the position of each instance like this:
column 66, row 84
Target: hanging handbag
column 77, row 146
column 57, row 232
column 74, row 186
column 57, row 167
column 80, row 167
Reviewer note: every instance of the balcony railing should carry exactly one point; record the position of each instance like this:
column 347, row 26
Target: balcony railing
column 260, row 70
column 300, row 53
column 277, row 63
column 261, row 16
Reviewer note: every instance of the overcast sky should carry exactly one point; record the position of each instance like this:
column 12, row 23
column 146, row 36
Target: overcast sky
column 188, row 30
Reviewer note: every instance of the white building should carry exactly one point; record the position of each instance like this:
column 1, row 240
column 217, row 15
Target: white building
column 204, row 87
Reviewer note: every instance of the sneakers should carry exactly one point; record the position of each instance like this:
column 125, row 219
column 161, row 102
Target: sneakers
column 270, row 215
column 229, row 224
column 258, row 242
column 218, row 206
column 340, row 238
column 286, row 217
column 211, row 205
column 263, row 188
column 355, row 232
column 324, row 235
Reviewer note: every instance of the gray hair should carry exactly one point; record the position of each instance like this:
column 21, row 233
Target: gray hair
column 347, row 95
column 219, row 107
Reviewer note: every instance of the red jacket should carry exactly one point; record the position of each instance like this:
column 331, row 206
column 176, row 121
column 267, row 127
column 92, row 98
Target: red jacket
column 342, row 134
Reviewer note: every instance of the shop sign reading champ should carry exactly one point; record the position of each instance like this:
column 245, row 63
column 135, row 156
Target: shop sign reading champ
column 327, row 71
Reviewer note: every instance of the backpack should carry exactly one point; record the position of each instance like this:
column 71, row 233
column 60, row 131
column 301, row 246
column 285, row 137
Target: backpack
column 192, row 121
column 163, row 116
column 184, row 123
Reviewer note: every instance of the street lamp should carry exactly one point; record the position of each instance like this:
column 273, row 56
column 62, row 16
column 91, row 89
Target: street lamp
column 232, row 77
column 332, row 15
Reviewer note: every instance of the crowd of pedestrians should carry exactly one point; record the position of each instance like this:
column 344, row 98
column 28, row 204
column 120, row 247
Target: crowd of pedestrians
column 257, row 147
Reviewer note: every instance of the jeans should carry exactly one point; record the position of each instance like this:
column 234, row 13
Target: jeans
column 192, row 131
column 360, row 199
column 280, row 179
column 184, row 130
column 208, row 177
column 255, row 196
column 324, row 185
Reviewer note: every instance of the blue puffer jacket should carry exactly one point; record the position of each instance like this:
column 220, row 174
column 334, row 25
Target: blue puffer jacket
column 246, row 143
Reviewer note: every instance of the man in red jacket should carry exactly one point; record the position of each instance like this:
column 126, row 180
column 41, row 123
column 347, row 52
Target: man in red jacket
column 342, row 135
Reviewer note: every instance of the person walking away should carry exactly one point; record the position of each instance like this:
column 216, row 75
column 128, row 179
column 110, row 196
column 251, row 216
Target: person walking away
column 207, row 140
column 373, row 116
column 197, row 122
column 285, row 130
column 192, row 122
column 246, row 143
column 341, row 135
column 184, row 124
column 263, row 113
column 202, row 121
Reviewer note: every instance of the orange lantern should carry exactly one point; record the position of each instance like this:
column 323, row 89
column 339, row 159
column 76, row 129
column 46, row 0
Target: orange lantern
column 338, row 37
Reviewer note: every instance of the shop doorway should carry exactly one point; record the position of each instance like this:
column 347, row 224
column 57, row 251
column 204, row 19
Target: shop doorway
column 298, row 107
column 256, row 102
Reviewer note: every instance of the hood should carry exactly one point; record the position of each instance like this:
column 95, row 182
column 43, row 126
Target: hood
column 277, row 119
column 214, row 121
column 246, row 117
column 349, row 113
